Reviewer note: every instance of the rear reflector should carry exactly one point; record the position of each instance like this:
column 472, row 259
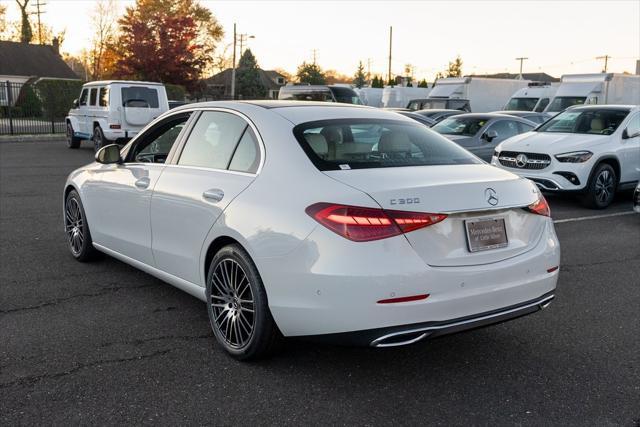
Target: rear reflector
column 365, row 224
column 403, row 299
column 552, row 269
column 114, row 126
column 540, row 206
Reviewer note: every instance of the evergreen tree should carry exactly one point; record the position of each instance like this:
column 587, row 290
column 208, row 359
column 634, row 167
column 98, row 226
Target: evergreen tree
column 423, row 83
column 311, row 73
column 248, row 82
column 455, row 68
column 360, row 78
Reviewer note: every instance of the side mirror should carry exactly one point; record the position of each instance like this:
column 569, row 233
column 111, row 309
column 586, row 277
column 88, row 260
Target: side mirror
column 75, row 103
column 490, row 136
column 109, row 154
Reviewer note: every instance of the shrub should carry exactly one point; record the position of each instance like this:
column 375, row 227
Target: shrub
column 57, row 96
column 175, row 92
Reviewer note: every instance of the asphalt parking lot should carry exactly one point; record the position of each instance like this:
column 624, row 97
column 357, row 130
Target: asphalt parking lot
column 104, row 343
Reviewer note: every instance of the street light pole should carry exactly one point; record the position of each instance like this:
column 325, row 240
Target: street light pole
column 521, row 59
column 233, row 69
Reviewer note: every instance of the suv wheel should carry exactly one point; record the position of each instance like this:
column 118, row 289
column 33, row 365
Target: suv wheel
column 98, row 138
column 237, row 306
column 72, row 141
column 602, row 187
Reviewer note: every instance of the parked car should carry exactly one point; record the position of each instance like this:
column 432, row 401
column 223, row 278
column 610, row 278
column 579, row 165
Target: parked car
column 114, row 111
column 418, row 118
column 331, row 93
column 592, row 150
column 480, row 133
column 174, row 104
column 636, row 198
column 438, row 114
column 380, row 247
column 537, row 118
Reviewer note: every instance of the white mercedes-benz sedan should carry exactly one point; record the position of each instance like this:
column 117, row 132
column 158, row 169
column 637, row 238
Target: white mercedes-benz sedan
column 341, row 223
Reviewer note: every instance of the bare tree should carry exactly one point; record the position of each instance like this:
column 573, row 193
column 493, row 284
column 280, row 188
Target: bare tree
column 104, row 22
column 221, row 59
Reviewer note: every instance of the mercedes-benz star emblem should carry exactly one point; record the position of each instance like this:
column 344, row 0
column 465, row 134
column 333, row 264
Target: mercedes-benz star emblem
column 491, row 196
column 521, row 160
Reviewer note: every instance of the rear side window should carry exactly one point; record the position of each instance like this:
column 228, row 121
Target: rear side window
column 140, row 97
column 246, row 156
column 103, row 97
column 213, row 140
column 372, row 143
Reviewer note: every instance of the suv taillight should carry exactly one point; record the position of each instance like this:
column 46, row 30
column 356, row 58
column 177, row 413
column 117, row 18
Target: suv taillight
column 365, row 224
column 540, row 206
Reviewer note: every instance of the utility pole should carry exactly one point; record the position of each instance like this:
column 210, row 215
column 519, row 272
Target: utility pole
column 314, row 56
column 233, row 70
column 244, row 38
column 39, row 12
column 522, row 59
column 606, row 61
column 368, row 69
column 390, row 44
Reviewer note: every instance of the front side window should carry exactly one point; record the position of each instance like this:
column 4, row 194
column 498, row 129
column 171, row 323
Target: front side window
column 372, row 143
column 103, row 97
column 633, row 129
column 155, row 144
column 213, row 140
column 93, row 96
column 505, row 129
column 591, row 121
column 140, row 97
column 83, row 97
column 561, row 103
column 463, row 126
column 521, row 104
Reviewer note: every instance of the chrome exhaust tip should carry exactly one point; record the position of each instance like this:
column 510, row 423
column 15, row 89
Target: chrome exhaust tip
column 399, row 338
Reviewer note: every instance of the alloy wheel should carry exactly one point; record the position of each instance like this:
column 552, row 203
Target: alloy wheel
column 604, row 186
column 97, row 139
column 74, row 225
column 232, row 303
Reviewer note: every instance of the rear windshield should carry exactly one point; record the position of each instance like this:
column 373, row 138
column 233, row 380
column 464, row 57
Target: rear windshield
column 462, row 126
column 346, row 95
column 139, row 96
column 521, row 104
column 306, row 95
column 372, row 143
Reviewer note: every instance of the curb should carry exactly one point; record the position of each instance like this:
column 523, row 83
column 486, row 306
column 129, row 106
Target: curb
column 32, row 138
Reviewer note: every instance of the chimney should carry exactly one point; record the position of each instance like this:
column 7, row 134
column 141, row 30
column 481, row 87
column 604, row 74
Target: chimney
column 55, row 44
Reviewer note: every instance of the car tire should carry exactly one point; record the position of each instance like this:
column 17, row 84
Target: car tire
column 72, row 141
column 238, row 308
column 77, row 229
column 98, row 138
column 602, row 187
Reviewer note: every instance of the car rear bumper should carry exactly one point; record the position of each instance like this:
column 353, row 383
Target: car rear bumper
column 328, row 286
column 409, row 334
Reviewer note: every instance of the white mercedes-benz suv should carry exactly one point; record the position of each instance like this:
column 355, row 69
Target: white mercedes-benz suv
column 296, row 219
column 593, row 150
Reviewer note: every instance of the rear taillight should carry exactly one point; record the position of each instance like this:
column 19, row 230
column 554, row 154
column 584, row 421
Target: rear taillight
column 540, row 206
column 364, row 224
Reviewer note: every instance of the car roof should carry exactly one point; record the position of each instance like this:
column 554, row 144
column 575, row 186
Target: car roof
column 487, row 116
column 519, row 113
column 604, row 107
column 437, row 110
column 108, row 82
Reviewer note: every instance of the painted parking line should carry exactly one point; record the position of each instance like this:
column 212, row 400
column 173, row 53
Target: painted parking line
column 584, row 218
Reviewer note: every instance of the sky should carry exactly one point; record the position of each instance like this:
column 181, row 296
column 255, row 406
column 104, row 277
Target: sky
column 558, row 37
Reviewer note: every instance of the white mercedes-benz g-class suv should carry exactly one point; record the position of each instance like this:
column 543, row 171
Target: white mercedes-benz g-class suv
column 114, row 111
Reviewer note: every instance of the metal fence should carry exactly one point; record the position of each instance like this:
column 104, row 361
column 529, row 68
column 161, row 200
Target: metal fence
column 23, row 110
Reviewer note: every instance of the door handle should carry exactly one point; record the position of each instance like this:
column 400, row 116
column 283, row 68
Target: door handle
column 214, row 195
column 142, row 183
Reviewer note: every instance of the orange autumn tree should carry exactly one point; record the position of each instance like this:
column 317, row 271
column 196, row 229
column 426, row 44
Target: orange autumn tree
column 170, row 41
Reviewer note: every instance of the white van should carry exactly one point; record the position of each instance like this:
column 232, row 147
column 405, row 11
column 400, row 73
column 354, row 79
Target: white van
column 600, row 88
column 535, row 97
column 472, row 94
column 114, row 111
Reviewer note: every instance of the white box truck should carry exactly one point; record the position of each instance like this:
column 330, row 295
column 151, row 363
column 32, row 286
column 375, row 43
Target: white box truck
column 400, row 96
column 371, row 96
column 600, row 88
column 473, row 94
column 535, row 97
